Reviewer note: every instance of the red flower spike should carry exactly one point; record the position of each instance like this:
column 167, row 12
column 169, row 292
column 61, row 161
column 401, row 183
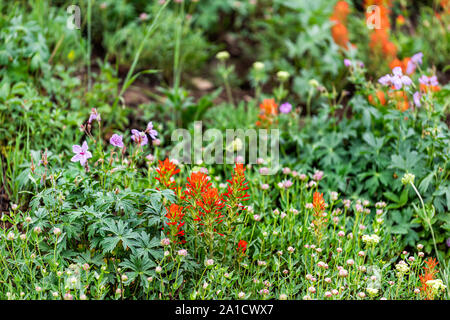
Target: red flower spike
column 175, row 222
column 318, row 202
column 242, row 246
column 237, row 187
column 166, row 169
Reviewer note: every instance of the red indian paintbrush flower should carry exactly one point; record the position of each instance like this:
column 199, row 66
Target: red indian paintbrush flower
column 210, row 211
column 242, row 246
column 166, row 169
column 174, row 222
column 430, row 273
column 318, row 202
column 237, row 188
column 196, row 184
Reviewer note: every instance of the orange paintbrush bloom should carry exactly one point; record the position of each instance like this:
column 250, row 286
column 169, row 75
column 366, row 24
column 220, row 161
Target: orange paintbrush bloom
column 339, row 33
column 318, row 202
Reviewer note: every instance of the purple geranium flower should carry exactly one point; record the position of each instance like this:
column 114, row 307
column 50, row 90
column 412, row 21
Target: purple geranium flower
column 139, row 137
column 116, row 140
column 347, row 63
column 398, row 80
column 417, row 58
column 429, row 81
column 385, row 80
column 414, row 62
column 433, row 81
column 151, row 132
column 94, row 116
column 81, row 153
column 286, row 107
column 417, row 96
column 448, row 242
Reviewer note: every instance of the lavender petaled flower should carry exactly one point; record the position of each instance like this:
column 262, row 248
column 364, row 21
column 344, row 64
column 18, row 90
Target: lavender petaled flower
column 448, row 242
column 433, row 81
column 94, row 116
column 81, row 153
column 151, row 132
column 116, row 140
column 417, row 58
column 406, row 81
column 347, row 63
column 139, row 137
column 424, row 80
column 417, row 96
column 397, row 82
column 411, row 67
column 286, row 107
column 397, row 71
column 385, row 80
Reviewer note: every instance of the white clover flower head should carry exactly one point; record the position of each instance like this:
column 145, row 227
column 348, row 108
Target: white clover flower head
column 124, row 277
column 55, row 294
column 312, row 289
column 258, row 65
column 402, row 267
column 437, row 285
column 416, row 290
column 290, row 249
column 372, row 291
column 307, row 297
column 362, row 295
column 165, row 241
column 166, row 253
column 408, row 178
column 209, row 262
column 223, row 55
column 334, row 195
column 56, row 231
column 350, row 262
column 283, row 75
column 182, row 252
column 241, row 295
column 283, row 296
column 421, row 254
column 158, row 269
column 10, row 236
column 420, row 246
column 361, row 253
column 343, row 273
column 28, row 219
